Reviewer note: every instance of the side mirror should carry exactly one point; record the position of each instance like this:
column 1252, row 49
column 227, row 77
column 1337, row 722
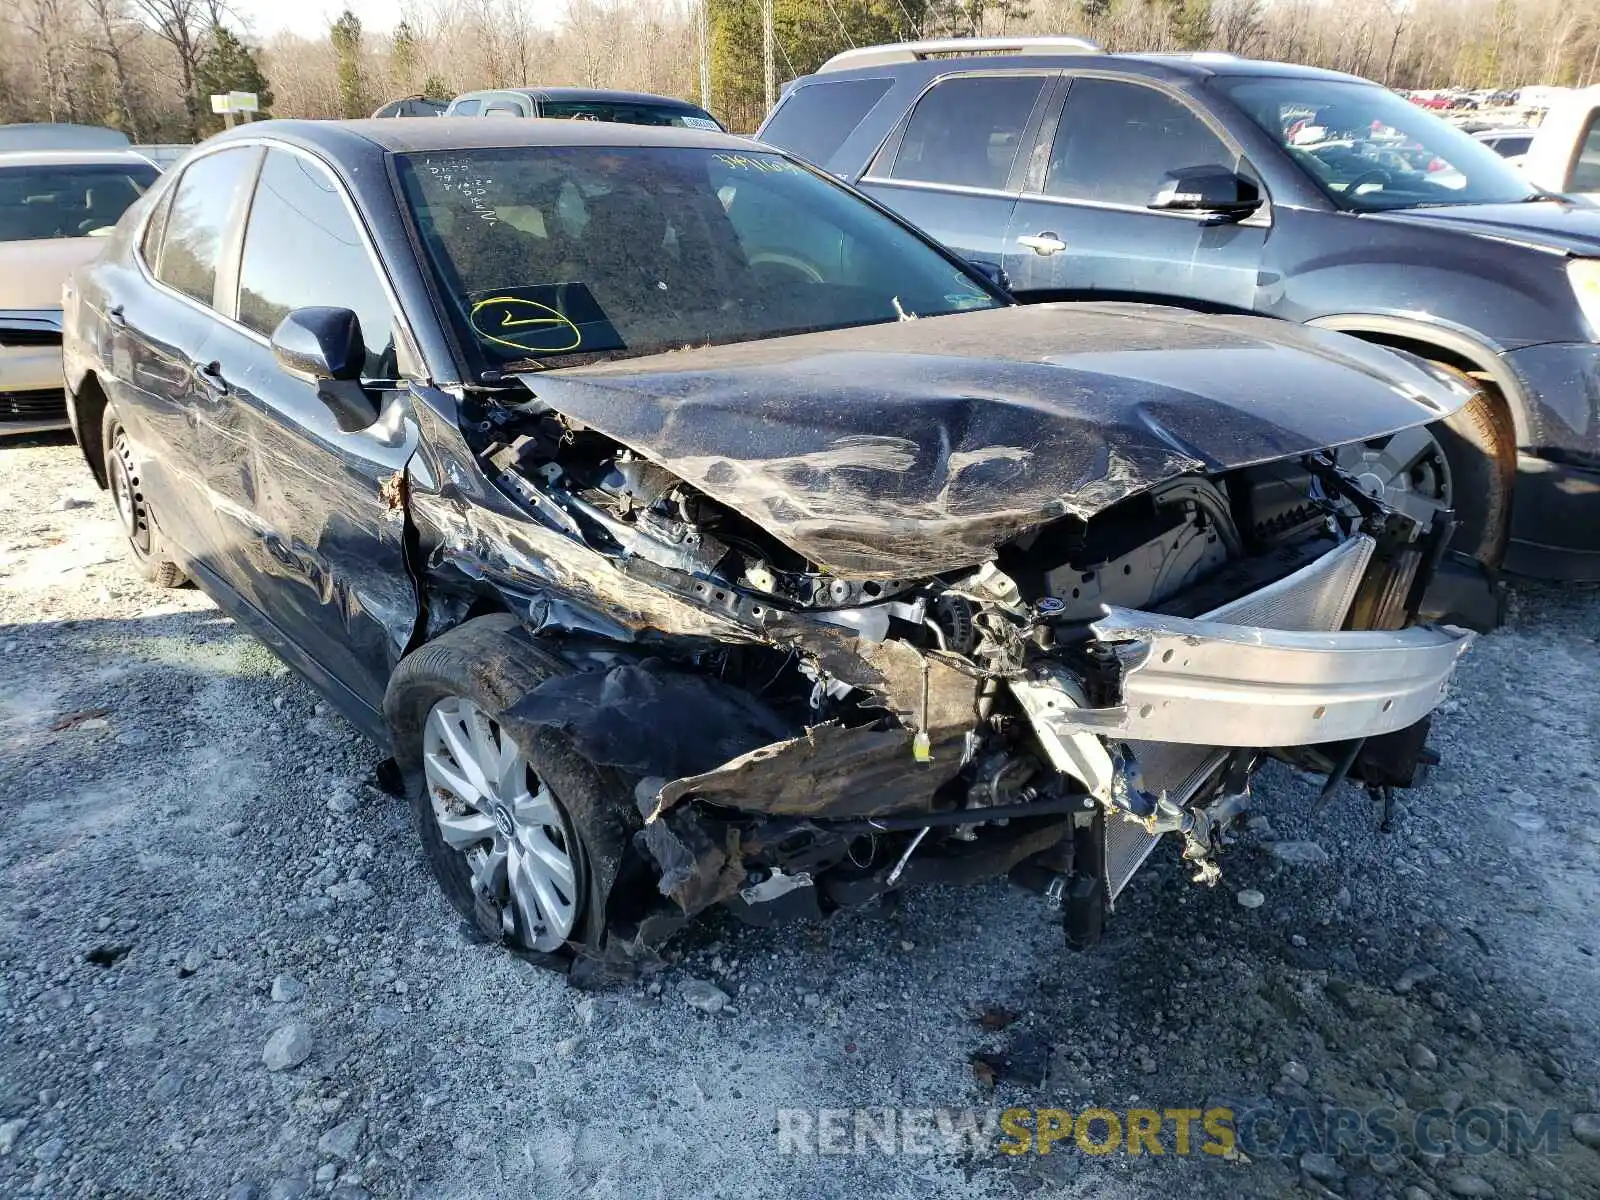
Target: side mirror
column 324, row 343
column 1215, row 191
column 992, row 271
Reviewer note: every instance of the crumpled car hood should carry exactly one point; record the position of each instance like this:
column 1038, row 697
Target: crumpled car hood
column 917, row 447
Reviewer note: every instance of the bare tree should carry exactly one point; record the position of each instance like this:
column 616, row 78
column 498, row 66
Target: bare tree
column 49, row 23
column 111, row 22
column 182, row 25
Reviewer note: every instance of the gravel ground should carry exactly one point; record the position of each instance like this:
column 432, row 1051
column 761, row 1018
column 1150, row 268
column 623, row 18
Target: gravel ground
column 199, row 884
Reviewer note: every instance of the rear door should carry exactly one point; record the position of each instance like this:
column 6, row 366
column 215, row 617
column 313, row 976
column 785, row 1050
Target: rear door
column 1083, row 227
column 955, row 166
column 312, row 515
column 162, row 356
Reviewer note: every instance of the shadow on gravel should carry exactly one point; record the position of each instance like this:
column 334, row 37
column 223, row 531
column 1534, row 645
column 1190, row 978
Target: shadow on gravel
column 59, row 437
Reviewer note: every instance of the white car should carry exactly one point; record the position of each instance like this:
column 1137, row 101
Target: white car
column 56, row 206
column 1510, row 144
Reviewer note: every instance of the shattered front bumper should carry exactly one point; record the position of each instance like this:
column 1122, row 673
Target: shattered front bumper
column 1211, row 684
column 1271, row 670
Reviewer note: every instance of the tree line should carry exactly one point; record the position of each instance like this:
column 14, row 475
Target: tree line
column 148, row 67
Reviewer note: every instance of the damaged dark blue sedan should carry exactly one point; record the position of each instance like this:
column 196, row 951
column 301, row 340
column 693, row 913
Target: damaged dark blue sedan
column 694, row 532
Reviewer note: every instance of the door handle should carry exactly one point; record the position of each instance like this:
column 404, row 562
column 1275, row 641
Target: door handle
column 1046, row 243
column 114, row 314
column 210, row 376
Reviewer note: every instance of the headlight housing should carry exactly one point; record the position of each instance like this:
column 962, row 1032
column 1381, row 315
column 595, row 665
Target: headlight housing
column 1584, row 274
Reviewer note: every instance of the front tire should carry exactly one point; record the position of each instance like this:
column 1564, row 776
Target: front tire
column 1480, row 444
column 521, row 832
column 1466, row 462
column 125, row 481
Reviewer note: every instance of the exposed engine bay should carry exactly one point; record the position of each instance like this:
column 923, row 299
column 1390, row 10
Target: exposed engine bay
column 826, row 738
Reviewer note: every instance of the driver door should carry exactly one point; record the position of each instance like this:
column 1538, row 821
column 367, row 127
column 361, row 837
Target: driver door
column 312, row 523
column 1082, row 229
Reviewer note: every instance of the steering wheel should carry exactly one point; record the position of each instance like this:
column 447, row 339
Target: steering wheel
column 785, row 268
column 1377, row 175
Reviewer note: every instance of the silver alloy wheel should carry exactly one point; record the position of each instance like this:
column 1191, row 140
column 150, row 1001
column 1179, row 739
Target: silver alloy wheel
column 493, row 809
column 1408, row 471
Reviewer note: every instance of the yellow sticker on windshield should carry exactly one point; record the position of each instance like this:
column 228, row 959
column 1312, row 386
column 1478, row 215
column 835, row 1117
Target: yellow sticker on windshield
column 524, row 325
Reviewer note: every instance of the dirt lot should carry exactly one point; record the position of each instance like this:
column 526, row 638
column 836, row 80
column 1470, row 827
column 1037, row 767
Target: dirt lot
column 196, row 876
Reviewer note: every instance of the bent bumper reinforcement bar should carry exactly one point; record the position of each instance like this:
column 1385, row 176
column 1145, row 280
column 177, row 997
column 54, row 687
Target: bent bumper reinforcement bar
column 1208, row 683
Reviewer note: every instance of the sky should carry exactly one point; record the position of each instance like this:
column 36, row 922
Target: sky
column 311, row 18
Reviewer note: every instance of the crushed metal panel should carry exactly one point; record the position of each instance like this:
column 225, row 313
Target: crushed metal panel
column 831, row 771
column 510, row 551
column 649, row 718
column 917, row 447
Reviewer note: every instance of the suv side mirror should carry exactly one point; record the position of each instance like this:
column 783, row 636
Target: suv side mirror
column 992, row 271
column 1216, row 191
column 324, row 343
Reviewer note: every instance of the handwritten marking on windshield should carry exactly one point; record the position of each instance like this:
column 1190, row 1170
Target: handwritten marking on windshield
column 543, row 324
column 767, row 166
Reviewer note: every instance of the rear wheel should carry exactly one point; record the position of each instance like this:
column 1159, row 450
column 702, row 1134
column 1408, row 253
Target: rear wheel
column 126, row 484
column 1466, row 462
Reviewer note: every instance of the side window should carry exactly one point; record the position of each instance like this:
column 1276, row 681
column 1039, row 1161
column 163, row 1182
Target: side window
column 967, row 131
column 1118, row 141
column 816, row 119
column 467, row 108
column 302, row 248
column 1586, row 171
column 197, row 222
column 155, row 227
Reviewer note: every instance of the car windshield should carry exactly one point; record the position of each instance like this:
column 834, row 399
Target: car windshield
column 68, row 199
column 1371, row 150
column 628, row 113
column 550, row 256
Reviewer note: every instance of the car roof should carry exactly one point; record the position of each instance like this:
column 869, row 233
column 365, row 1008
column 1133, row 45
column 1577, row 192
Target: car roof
column 598, row 94
column 60, row 135
column 1208, row 63
column 1189, row 65
column 46, row 158
column 409, row 135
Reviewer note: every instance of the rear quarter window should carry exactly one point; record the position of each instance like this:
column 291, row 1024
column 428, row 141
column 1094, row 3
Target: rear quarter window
column 1586, row 169
column 814, row 121
column 198, row 220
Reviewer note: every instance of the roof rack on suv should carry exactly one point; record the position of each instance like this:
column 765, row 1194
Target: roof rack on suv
column 904, row 52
